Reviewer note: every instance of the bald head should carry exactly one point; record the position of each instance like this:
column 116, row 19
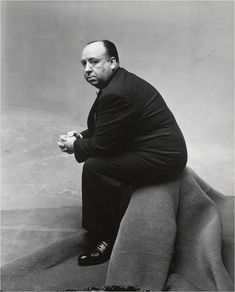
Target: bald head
column 111, row 49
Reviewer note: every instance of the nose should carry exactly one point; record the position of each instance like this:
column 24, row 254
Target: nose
column 88, row 67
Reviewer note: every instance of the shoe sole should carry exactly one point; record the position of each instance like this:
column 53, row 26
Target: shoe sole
column 92, row 263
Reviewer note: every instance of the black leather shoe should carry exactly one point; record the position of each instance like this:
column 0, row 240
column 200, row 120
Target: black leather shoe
column 99, row 254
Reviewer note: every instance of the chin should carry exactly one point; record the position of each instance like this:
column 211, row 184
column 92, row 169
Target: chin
column 96, row 84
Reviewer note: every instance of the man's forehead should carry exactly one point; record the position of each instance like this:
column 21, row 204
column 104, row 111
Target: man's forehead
column 94, row 50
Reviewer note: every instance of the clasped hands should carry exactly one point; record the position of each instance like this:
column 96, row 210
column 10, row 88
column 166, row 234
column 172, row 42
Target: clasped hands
column 66, row 141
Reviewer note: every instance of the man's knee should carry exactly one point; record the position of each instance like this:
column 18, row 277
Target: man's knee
column 94, row 165
column 103, row 168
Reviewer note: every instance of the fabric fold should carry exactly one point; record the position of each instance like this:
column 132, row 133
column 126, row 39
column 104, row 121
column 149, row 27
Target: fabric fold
column 172, row 238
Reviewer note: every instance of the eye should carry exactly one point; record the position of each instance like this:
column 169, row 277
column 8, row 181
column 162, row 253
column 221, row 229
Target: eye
column 83, row 63
column 94, row 62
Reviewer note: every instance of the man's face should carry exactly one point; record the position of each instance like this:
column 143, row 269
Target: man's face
column 98, row 67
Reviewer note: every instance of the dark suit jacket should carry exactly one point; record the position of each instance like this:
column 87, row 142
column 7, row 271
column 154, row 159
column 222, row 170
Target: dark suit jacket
column 131, row 116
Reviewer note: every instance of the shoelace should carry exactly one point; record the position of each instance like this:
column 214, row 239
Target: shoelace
column 102, row 245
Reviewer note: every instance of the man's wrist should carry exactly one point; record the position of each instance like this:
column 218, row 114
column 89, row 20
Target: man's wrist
column 79, row 136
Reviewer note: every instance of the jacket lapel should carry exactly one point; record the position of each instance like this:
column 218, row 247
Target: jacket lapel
column 91, row 121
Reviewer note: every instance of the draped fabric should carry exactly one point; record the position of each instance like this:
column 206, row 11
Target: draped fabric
column 173, row 237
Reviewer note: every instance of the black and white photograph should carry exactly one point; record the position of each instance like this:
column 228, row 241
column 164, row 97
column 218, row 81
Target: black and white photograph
column 117, row 145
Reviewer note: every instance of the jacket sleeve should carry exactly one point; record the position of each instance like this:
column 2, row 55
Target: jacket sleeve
column 86, row 134
column 115, row 118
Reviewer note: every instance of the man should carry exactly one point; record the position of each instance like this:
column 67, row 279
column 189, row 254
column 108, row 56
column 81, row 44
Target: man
column 132, row 140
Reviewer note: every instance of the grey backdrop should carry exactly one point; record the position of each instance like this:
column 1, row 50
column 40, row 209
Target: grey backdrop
column 185, row 49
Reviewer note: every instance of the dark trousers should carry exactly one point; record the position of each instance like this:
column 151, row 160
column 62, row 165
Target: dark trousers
column 107, row 185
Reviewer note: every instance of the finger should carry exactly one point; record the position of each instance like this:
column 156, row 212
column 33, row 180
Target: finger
column 61, row 144
column 64, row 149
column 71, row 133
column 79, row 136
column 63, row 138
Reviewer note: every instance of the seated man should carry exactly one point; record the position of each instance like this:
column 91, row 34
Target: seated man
column 132, row 140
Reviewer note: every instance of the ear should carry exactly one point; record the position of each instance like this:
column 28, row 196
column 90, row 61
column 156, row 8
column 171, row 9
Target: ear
column 113, row 62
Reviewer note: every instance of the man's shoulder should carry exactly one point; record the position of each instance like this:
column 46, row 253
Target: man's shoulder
column 126, row 78
column 121, row 79
column 126, row 83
